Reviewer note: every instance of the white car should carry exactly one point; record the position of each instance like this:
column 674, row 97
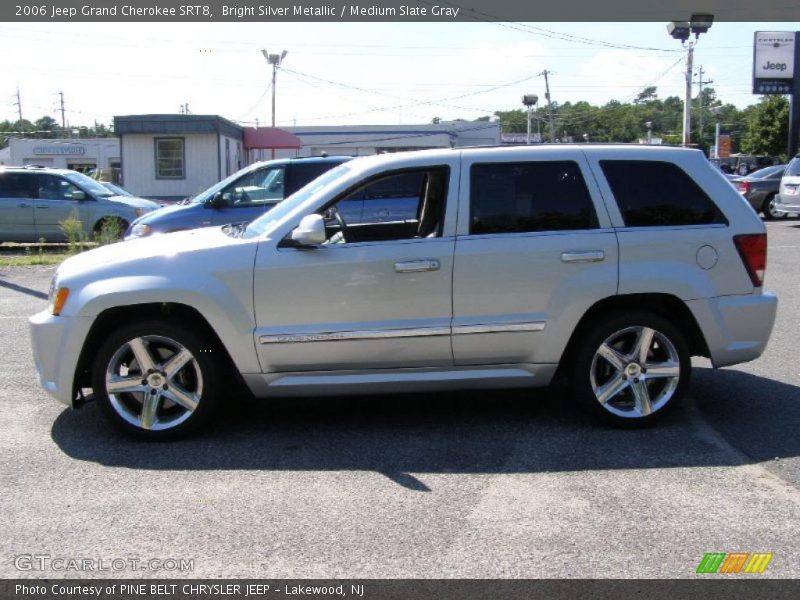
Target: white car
column 611, row 264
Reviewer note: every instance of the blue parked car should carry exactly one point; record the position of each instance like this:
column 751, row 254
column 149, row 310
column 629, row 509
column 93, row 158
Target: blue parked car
column 242, row 197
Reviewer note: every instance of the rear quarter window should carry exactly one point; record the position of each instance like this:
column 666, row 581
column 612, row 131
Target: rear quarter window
column 657, row 193
column 794, row 167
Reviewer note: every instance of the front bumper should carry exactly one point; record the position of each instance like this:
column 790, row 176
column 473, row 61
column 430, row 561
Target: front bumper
column 57, row 344
column 736, row 328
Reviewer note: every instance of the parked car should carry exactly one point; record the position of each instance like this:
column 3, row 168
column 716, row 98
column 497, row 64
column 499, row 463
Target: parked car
column 34, row 200
column 788, row 194
column 521, row 263
column 240, row 198
column 760, row 189
column 741, row 165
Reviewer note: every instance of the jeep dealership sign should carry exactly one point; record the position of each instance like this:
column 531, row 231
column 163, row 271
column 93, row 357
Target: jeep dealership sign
column 773, row 62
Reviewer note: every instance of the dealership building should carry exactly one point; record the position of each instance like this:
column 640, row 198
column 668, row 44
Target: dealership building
column 171, row 157
column 79, row 154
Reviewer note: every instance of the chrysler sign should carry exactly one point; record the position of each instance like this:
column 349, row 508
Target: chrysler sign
column 773, row 62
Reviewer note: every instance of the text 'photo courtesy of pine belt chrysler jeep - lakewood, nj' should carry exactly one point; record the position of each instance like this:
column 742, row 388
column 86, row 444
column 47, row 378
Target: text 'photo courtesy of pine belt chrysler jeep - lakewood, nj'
column 607, row 265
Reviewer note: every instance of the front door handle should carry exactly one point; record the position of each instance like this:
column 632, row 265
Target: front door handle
column 583, row 256
column 417, row 266
column 23, row 205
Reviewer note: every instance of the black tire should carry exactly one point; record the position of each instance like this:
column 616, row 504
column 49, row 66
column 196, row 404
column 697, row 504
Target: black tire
column 591, row 371
column 197, row 383
column 766, row 209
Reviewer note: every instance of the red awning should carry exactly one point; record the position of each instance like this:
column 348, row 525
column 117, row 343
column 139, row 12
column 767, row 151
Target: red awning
column 270, row 138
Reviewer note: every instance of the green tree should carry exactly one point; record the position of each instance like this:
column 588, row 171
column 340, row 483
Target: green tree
column 767, row 127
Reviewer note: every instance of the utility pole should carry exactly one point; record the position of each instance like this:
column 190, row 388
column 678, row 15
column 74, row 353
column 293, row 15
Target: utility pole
column 687, row 96
column 549, row 105
column 275, row 60
column 18, row 104
column 700, row 83
column 63, row 120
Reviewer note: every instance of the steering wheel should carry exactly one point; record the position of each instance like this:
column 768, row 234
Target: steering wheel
column 340, row 220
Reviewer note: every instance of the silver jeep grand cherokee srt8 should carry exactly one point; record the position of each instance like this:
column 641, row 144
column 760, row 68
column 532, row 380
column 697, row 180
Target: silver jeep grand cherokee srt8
column 611, row 264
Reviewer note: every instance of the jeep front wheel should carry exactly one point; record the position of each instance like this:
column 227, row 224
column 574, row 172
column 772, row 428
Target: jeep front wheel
column 156, row 380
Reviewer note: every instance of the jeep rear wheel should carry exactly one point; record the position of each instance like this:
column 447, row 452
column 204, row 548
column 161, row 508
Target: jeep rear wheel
column 631, row 369
column 156, row 380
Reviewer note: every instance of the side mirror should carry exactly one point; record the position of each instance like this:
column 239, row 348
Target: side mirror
column 310, row 231
column 216, row 201
column 79, row 195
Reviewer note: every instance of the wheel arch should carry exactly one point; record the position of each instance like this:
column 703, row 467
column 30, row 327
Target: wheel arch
column 665, row 305
column 110, row 319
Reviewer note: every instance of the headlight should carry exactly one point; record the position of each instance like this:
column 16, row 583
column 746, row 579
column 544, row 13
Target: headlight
column 140, row 230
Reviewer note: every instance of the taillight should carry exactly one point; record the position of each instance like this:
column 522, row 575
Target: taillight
column 744, row 187
column 752, row 248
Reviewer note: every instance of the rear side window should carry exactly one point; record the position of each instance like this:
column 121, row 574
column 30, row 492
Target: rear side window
column 15, row 185
column 526, row 197
column 300, row 174
column 794, row 167
column 656, row 193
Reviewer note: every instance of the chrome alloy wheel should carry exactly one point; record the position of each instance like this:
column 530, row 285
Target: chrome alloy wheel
column 154, row 382
column 635, row 372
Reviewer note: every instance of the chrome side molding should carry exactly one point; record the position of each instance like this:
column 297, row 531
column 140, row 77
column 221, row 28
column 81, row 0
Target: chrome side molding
column 341, row 336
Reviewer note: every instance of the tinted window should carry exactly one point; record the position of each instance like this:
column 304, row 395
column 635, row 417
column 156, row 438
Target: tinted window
column 794, row 167
column 302, row 173
column 15, row 185
column 534, row 196
column 652, row 193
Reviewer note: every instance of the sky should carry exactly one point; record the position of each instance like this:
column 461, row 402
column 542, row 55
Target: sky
column 353, row 73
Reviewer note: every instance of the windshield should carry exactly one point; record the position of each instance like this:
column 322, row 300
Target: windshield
column 116, row 189
column 265, row 223
column 88, row 184
column 203, row 197
column 767, row 171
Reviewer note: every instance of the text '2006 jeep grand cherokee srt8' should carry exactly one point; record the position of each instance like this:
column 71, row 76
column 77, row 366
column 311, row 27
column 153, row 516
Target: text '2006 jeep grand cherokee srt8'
column 614, row 264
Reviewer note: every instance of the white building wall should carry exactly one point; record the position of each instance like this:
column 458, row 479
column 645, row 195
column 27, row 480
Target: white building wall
column 201, row 165
column 60, row 153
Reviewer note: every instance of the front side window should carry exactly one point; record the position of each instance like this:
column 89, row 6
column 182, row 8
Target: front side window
column 264, row 186
column 170, row 158
column 51, row 187
column 528, row 197
column 415, row 197
column 657, row 193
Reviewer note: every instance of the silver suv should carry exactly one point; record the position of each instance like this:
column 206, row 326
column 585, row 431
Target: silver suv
column 612, row 265
column 789, row 191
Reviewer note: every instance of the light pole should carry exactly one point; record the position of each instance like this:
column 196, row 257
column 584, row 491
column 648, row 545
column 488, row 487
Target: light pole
column 529, row 100
column 716, row 110
column 680, row 30
column 649, row 125
column 275, row 60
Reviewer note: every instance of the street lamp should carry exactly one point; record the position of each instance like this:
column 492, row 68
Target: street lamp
column 681, row 30
column 275, row 60
column 717, row 110
column 529, row 100
column 649, row 125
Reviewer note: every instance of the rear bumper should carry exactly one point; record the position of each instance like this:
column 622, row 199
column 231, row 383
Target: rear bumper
column 787, row 205
column 736, row 328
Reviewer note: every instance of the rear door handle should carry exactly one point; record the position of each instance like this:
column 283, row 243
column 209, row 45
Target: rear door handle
column 417, row 266
column 23, row 205
column 583, row 256
column 41, row 206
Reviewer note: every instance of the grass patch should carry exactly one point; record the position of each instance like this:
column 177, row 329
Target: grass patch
column 27, row 260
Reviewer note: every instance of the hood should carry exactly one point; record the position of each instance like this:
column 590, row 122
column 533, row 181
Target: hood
column 134, row 201
column 167, row 245
column 162, row 211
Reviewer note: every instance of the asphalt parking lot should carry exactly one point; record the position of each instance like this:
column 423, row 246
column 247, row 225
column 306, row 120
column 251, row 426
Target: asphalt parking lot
column 497, row 484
